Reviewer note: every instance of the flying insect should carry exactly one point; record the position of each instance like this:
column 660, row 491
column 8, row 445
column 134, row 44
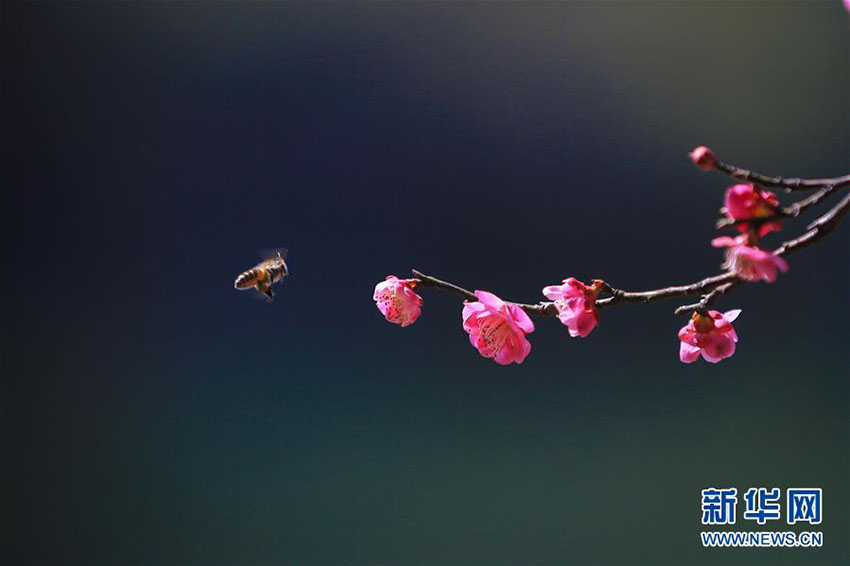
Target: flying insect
column 265, row 274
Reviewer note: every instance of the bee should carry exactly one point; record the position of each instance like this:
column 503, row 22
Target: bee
column 265, row 274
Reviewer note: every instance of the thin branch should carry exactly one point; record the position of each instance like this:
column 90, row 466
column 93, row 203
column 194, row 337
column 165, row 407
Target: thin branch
column 711, row 287
column 707, row 299
column 428, row 281
column 748, row 176
column 817, row 229
column 540, row 309
column 618, row 296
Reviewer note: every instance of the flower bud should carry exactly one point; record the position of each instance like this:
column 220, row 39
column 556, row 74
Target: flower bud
column 704, row 158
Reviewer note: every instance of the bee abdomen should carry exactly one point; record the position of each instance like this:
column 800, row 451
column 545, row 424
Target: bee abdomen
column 246, row 279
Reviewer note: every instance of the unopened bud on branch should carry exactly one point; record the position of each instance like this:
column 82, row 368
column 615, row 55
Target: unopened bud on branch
column 704, row 158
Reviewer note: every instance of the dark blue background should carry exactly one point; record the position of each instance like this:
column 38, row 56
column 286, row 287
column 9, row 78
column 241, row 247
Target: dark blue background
column 152, row 414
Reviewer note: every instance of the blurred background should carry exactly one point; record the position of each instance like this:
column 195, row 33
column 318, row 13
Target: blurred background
column 151, row 414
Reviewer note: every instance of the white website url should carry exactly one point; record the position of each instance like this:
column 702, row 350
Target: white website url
column 761, row 539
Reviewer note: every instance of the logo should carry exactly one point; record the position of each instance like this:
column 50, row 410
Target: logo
column 761, row 505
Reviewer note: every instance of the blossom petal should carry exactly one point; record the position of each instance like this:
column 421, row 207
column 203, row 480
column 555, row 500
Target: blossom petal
column 723, row 242
column 521, row 319
column 687, row 353
column 717, row 346
column 731, row 315
column 553, row 292
column 489, row 300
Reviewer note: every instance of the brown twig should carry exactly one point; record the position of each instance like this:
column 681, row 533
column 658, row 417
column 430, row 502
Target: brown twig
column 817, row 229
column 711, row 287
column 428, row 281
column 618, row 296
column 540, row 309
column 707, row 299
column 748, row 176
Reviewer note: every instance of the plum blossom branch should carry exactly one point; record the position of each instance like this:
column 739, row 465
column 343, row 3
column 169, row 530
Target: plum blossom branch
column 547, row 308
column 815, row 231
column 716, row 284
column 789, row 184
column 498, row 328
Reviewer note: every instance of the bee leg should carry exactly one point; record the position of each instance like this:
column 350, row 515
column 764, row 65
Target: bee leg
column 266, row 290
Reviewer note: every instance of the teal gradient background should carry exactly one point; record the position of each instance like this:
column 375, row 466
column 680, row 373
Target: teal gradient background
column 153, row 415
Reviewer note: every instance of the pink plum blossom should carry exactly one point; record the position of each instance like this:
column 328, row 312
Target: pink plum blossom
column 746, row 201
column 576, row 304
column 703, row 158
column 750, row 263
column 712, row 336
column 397, row 301
column 497, row 329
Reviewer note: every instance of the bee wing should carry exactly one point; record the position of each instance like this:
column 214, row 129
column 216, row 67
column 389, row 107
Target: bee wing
column 272, row 253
